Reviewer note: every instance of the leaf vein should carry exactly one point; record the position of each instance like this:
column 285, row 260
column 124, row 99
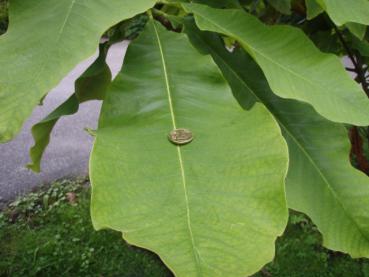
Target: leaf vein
column 179, row 153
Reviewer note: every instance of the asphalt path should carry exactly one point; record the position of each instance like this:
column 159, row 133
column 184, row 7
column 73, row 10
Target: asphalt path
column 69, row 149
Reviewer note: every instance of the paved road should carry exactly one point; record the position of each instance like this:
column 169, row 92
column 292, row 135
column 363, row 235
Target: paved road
column 69, row 149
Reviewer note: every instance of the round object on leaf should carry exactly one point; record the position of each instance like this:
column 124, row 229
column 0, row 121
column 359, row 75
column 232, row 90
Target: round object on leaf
column 180, row 136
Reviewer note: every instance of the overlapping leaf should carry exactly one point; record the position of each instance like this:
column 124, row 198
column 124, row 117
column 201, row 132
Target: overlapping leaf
column 358, row 30
column 209, row 208
column 215, row 4
column 320, row 182
column 294, row 67
column 92, row 85
column 94, row 82
column 45, row 40
column 343, row 11
column 362, row 46
column 313, row 9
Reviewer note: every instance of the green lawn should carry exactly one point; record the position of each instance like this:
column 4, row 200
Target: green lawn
column 48, row 233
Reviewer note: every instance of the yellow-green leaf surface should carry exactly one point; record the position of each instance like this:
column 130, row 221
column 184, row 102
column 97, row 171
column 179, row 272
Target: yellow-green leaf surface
column 344, row 11
column 212, row 207
column 45, row 40
column 293, row 66
column 321, row 181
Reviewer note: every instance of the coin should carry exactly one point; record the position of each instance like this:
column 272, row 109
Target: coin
column 180, row 136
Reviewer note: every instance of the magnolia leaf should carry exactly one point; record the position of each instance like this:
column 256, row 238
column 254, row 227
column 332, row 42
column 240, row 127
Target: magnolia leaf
column 327, row 42
column 204, row 43
column 68, row 31
column 220, row 3
column 42, row 130
column 293, row 66
column 313, row 9
column 283, row 6
column 94, row 82
column 213, row 207
column 92, row 85
column 358, row 30
column 215, row 4
column 343, row 11
column 362, row 46
column 321, row 181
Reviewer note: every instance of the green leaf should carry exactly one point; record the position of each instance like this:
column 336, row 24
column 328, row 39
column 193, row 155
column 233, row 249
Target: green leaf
column 215, row 4
column 321, row 181
column 45, row 40
column 358, row 30
column 212, row 207
column 94, row 82
column 209, row 43
column 313, row 9
column 92, row 85
column 293, row 66
column 323, row 184
column 343, row 11
column 283, row 6
column 360, row 45
column 42, row 130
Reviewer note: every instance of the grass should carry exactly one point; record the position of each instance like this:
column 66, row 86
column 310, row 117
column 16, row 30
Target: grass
column 49, row 233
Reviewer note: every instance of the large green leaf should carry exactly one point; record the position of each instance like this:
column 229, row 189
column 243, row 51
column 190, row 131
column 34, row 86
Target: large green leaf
column 45, row 40
column 320, row 182
column 343, row 11
column 294, row 67
column 209, row 208
column 91, row 85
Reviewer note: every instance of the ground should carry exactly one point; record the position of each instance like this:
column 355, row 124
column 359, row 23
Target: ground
column 49, row 233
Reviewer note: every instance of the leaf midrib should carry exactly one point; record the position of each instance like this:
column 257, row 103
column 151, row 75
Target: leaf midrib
column 179, row 153
column 69, row 11
column 297, row 143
